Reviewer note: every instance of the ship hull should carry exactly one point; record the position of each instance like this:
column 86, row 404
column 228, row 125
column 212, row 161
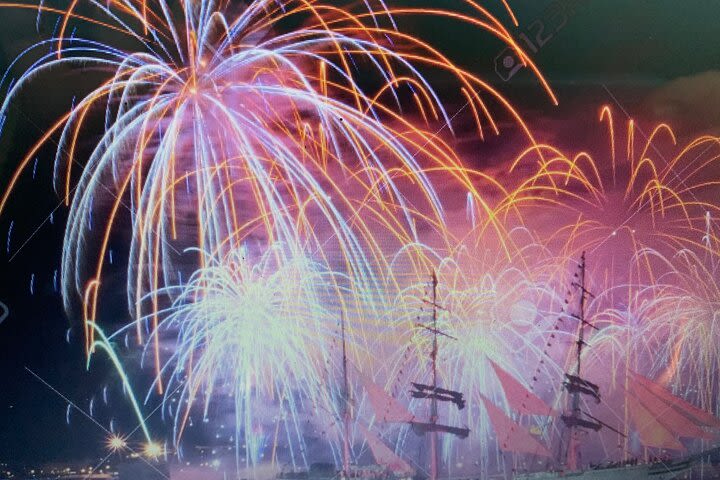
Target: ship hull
column 655, row 471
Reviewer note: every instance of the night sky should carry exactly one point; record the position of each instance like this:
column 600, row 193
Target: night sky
column 649, row 57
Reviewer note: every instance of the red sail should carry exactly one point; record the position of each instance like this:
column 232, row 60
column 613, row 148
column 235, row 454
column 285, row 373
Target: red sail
column 386, row 408
column 677, row 423
column 511, row 437
column 384, row 456
column 521, row 399
column 699, row 417
column 652, row 433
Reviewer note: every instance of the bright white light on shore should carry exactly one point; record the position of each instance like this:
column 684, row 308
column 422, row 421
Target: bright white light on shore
column 116, row 443
column 153, row 450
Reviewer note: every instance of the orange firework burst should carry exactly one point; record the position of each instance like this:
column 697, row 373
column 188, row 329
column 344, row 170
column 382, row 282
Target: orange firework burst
column 649, row 194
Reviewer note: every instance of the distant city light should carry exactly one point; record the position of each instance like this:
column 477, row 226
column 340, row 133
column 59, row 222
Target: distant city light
column 153, row 450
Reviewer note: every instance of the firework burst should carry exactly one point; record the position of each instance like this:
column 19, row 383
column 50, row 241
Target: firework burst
column 255, row 330
column 224, row 126
column 648, row 195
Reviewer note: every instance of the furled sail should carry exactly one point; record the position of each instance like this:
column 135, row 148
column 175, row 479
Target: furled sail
column 512, row 437
column 521, row 399
column 421, row 428
column 385, row 456
column 386, row 408
column 438, row 393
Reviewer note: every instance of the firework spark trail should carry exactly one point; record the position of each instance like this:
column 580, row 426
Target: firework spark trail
column 251, row 115
column 257, row 330
column 679, row 330
column 634, row 201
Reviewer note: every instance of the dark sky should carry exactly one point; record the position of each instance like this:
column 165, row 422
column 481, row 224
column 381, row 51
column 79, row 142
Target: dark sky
column 595, row 49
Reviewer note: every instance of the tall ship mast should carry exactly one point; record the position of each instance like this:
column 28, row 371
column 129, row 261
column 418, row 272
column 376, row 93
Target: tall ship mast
column 433, row 392
column 387, row 409
column 577, row 387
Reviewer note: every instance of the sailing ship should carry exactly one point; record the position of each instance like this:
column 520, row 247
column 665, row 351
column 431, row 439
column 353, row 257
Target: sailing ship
column 388, row 464
column 659, row 418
